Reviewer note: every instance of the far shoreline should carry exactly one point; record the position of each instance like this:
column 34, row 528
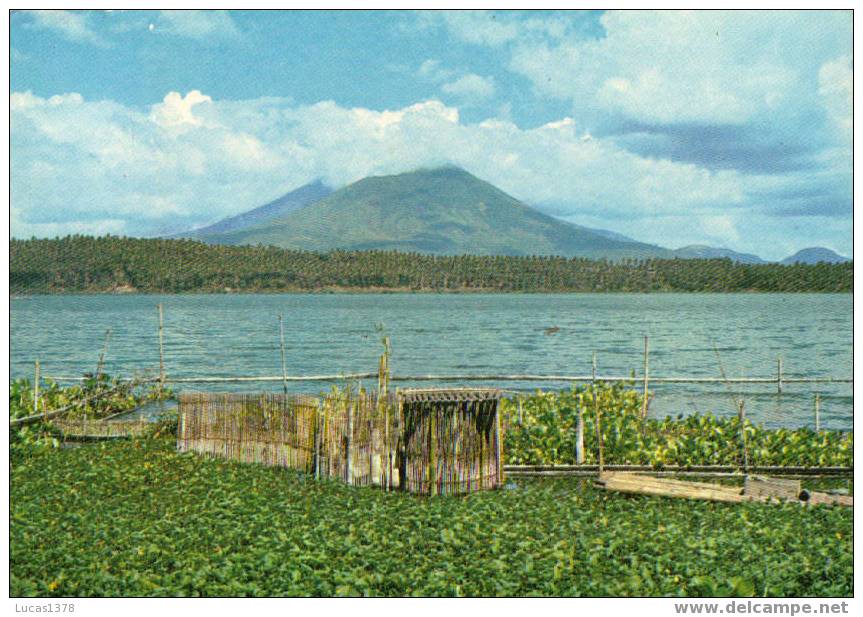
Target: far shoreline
column 402, row 291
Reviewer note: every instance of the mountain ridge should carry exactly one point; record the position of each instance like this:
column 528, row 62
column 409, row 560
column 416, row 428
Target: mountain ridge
column 443, row 210
column 290, row 202
column 814, row 255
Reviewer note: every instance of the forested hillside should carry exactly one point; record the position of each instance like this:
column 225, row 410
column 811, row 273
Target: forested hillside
column 109, row 263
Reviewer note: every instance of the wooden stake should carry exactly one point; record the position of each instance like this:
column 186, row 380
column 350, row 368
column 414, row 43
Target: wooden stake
column 598, row 430
column 579, row 438
column 817, row 412
column 36, row 390
column 779, row 375
column 348, row 457
column 161, row 351
column 103, row 354
column 282, row 347
column 497, row 445
column 741, row 414
column 319, row 426
column 646, row 367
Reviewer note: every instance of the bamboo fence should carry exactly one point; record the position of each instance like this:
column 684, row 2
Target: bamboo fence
column 430, row 442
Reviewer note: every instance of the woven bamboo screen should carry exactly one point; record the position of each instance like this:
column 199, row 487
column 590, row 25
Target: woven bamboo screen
column 339, row 436
column 451, row 441
column 423, row 441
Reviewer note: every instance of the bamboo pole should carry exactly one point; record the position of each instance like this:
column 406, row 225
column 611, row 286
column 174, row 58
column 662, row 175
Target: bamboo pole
column 817, row 412
column 741, row 414
column 498, row 446
column 349, row 444
column 598, row 430
column 579, row 437
column 282, row 347
column 161, row 351
column 102, row 355
column 432, row 462
column 779, row 375
column 646, row 367
column 36, row 390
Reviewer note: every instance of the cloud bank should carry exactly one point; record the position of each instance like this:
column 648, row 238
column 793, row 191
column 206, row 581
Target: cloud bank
column 683, row 127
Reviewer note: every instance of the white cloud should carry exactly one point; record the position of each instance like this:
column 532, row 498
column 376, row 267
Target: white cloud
column 85, row 166
column 674, row 67
column 176, row 110
column 471, row 87
column 465, row 87
column 200, row 25
column 836, row 87
column 71, row 25
column 77, row 160
column 431, row 69
column 479, row 27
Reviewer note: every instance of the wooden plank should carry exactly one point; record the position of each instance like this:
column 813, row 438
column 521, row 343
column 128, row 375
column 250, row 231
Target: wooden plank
column 765, row 486
column 816, row 498
column 627, row 482
column 663, row 487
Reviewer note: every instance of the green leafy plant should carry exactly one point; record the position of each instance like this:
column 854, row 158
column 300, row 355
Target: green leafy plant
column 96, row 397
column 135, row 518
column 544, row 433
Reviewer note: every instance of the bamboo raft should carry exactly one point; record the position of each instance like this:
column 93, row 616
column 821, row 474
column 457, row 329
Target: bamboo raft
column 756, row 488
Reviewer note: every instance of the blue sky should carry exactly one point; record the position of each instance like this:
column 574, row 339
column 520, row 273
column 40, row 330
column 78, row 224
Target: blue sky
column 722, row 128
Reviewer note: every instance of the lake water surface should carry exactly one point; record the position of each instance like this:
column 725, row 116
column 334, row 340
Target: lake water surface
column 465, row 334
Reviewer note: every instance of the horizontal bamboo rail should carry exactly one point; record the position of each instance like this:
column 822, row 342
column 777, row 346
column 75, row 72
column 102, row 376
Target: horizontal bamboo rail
column 718, row 470
column 517, row 377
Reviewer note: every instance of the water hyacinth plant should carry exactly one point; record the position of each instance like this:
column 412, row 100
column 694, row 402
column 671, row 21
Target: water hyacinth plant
column 544, row 432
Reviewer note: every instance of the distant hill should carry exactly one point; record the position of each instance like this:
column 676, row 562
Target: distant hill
column 284, row 205
column 444, row 211
column 606, row 233
column 814, row 255
column 701, row 251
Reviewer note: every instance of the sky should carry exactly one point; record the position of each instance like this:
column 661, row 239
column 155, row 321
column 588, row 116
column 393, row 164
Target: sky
column 731, row 129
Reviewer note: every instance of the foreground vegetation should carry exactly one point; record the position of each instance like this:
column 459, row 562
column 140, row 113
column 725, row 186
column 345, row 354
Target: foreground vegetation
column 135, row 518
column 97, row 396
column 87, row 264
column 544, row 433
column 541, row 429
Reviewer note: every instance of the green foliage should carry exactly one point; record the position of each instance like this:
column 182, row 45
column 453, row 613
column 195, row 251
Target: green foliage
column 86, row 264
column 96, row 397
column 138, row 519
column 546, row 435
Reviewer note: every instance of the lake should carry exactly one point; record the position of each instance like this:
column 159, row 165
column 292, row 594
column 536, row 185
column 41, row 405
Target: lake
column 228, row 335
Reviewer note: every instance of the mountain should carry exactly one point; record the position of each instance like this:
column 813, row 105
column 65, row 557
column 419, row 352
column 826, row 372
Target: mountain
column 814, row 255
column 444, row 211
column 284, row 205
column 701, row 251
column 607, row 233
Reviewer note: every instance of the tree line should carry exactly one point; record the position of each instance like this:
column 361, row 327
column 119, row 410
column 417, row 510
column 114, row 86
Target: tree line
column 110, row 263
